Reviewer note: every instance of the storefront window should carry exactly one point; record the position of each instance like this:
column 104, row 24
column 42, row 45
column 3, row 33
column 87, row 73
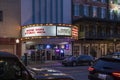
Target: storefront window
column 76, row 50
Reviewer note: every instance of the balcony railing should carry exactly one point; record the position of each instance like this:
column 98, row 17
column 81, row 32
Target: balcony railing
column 97, row 36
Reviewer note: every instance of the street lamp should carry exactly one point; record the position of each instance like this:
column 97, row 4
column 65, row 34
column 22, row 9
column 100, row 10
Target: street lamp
column 17, row 46
column 17, row 41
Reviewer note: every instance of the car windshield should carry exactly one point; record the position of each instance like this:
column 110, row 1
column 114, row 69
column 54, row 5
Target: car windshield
column 103, row 63
column 70, row 58
column 85, row 57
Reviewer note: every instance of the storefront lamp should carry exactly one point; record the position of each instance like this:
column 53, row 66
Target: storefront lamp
column 48, row 46
column 17, row 41
column 62, row 46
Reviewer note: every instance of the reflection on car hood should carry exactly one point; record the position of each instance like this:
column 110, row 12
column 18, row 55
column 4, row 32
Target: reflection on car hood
column 47, row 73
column 44, row 69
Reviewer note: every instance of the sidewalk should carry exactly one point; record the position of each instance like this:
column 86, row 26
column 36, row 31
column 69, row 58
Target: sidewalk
column 45, row 64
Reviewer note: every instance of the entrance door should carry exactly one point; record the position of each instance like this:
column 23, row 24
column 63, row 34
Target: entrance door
column 48, row 55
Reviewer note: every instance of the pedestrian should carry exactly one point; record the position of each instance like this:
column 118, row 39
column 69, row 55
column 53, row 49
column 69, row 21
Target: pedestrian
column 25, row 59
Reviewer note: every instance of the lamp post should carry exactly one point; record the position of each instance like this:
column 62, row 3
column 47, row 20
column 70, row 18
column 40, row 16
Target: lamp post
column 17, row 41
column 17, row 46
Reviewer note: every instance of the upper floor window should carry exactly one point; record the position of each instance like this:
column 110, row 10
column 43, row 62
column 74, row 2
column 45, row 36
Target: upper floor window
column 118, row 30
column 114, row 1
column 1, row 16
column 119, row 14
column 119, row 2
column 111, row 14
column 76, row 9
column 103, row 1
column 94, row 11
column 86, row 10
column 103, row 12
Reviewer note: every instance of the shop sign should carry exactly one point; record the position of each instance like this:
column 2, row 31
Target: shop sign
column 63, row 31
column 39, row 31
column 75, row 32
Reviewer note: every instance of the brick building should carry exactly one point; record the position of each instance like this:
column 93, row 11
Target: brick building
column 99, row 28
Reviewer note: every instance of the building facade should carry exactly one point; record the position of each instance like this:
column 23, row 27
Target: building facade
column 9, row 25
column 47, row 22
column 95, row 22
column 99, row 28
column 19, row 16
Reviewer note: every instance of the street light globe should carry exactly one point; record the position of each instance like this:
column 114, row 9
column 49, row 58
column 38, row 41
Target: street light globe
column 17, row 41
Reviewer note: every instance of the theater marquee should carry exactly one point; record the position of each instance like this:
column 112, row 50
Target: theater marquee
column 42, row 31
column 63, row 31
column 39, row 31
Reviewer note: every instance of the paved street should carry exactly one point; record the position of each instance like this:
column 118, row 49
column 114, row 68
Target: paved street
column 78, row 72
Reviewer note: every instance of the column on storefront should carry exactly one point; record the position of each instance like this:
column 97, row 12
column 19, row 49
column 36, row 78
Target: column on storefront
column 23, row 49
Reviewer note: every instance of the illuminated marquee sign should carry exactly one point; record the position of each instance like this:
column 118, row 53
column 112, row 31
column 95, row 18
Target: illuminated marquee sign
column 63, row 31
column 75, row 32
column 39, row 31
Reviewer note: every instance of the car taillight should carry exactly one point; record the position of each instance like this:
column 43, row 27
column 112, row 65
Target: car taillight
column 116, row 74
column 90, row 69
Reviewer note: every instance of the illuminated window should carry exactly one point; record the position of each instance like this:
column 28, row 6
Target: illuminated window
column 111, row 14
column 119, row 14
column 114, row 1
column 111, row 1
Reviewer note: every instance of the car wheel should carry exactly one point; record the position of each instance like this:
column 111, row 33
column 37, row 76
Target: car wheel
column 74, row 64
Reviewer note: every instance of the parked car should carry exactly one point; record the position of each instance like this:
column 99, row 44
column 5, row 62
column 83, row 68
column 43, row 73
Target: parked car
column 80, row 60
column 12, row 68
column 105, row 68
column 114, row 55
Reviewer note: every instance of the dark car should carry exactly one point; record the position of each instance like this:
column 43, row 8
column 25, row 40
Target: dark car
column 80, row 60
column 114, row 55
column 105, row 68
column 11, row 68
